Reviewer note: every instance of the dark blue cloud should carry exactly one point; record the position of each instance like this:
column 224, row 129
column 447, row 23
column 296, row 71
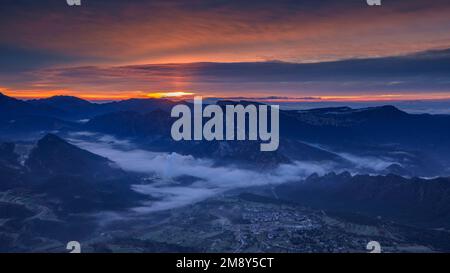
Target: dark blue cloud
column 14, row 59
column 422, row 71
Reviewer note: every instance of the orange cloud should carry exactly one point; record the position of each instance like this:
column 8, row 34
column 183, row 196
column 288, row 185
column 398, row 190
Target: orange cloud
column 156, row 33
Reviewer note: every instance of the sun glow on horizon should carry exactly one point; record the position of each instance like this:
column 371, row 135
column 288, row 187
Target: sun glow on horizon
column 182, row 95
column 39, row 94
column 161, row 95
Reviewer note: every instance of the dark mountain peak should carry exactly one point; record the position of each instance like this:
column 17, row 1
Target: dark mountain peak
column 51, row 144
column 141, row 105
column 5, row 98
column 376, row 111
column 62, row 102
column 66, row 106
column 328, row 110
column 12, row 108
column 53, row 155
column 51, row 139
column 67, row 99
column 80, row 180
column 385, row 111
column 386, row 108
column 139, row 101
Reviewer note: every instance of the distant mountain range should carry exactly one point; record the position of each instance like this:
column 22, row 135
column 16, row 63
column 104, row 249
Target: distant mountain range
column 75, row 108
column 418, row 144
column 72, row 108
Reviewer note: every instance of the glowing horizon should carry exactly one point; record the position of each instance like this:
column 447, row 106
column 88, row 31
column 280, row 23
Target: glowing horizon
column 180, row 95
column 293, row 50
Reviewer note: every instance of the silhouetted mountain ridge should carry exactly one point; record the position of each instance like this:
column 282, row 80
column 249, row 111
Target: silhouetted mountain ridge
column 414, row 201
column 73, row 179
column 53, row 156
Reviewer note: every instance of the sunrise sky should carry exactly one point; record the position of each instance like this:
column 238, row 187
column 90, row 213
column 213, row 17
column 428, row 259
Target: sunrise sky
column 269, row 50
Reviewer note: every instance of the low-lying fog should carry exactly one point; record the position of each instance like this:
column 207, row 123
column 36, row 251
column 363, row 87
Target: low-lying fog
column 206, row 179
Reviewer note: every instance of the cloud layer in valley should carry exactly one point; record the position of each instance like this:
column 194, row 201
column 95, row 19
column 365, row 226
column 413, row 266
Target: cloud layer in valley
column 208, row 180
